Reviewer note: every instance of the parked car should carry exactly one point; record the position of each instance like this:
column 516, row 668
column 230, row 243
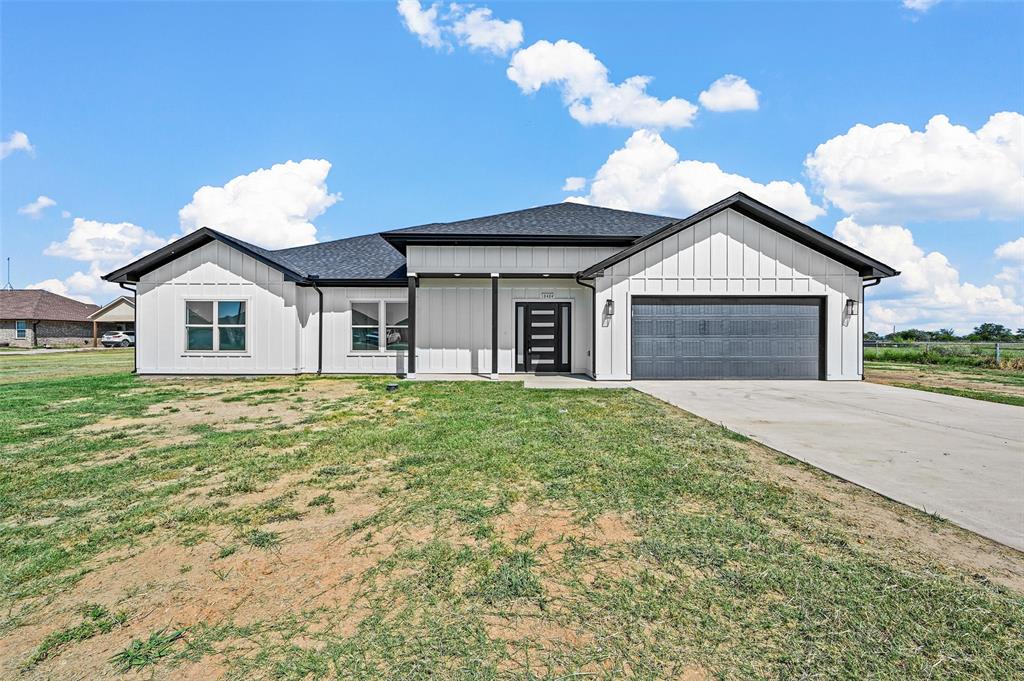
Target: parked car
column 125, row 339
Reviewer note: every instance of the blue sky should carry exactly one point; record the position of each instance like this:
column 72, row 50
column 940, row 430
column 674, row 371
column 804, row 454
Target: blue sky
column 130, row 108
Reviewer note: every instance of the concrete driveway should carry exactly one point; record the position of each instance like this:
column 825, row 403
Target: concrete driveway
column 960, row 458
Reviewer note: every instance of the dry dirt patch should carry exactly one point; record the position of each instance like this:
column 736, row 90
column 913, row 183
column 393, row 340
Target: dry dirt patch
column 319, row 563
column 956, row 380
column 167, row 424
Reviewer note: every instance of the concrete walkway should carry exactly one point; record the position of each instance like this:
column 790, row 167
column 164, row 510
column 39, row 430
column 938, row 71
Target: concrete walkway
column 960, row 458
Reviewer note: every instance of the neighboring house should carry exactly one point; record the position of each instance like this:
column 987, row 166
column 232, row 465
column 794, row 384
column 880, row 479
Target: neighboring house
column 737, row 290
column 35, row 317
column 117, row 315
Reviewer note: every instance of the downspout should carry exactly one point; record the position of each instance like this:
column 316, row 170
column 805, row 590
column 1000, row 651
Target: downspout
column 320, row 326
column 593, row 322
column 875, row 281
column 135, row 324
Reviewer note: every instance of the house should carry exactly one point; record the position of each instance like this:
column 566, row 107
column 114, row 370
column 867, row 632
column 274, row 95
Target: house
column 35, row 317
column 117, row 315
column 737, row 290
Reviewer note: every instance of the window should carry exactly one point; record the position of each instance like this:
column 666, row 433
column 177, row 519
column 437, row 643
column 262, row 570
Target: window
column 380, row 325
column 19, row 328
column 215, row 325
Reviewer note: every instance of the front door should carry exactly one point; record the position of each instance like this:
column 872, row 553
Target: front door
column 543, row 336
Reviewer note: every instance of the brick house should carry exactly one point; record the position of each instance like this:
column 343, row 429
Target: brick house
column 30, row 318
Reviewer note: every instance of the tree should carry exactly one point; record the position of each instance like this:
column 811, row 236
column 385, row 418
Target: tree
column 910, row 336
column 991, row 332
column 944, row 335
column 871, row 336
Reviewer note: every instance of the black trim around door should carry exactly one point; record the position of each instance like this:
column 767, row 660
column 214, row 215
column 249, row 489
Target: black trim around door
column 820, row 301
column 543, row 337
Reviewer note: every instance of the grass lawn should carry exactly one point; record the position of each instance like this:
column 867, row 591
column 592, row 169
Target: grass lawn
column 992, row 385
column 304, row 528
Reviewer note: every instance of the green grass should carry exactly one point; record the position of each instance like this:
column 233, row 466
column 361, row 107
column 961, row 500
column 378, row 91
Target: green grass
column 722, row 568
column 948, row 355
column 986, row 396
column 97, row 620
column 145, row 652
column 990, row 385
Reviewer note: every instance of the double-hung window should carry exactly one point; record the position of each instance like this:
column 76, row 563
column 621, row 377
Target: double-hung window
column 215, row 326
column 20, row 328
column 380, row 326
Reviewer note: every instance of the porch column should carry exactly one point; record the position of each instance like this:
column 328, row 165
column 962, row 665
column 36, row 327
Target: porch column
column 494, row 325
column 410, row 363
column 94, row 333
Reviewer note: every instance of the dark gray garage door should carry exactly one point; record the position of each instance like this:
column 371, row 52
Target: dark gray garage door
column 727, row 338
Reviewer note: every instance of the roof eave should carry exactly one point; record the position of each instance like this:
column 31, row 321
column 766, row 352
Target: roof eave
column 865, row 265
column 132, row 272
column 400, row 241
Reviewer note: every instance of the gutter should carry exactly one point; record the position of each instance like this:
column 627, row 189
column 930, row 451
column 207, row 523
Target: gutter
column 593, row 322
column 875, row 281
column 135, row 324
column 320, row 324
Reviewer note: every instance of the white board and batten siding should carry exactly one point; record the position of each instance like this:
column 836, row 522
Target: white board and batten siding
column 504, row 259
column 453, row 322
column 216, row 271
column 338, row 355
column 729, row 254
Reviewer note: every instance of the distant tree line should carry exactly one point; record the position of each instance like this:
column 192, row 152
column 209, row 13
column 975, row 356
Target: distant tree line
column 984, row 332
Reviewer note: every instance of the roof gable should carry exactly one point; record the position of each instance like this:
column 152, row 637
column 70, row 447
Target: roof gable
column 113, row 304
column 865, row 265
column 361, row 258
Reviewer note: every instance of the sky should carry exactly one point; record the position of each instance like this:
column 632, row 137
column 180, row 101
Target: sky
column 894, row 126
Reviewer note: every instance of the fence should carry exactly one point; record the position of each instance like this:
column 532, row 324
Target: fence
column 943, row 352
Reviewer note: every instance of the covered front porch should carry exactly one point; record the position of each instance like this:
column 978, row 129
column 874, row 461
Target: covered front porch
column 492, row 324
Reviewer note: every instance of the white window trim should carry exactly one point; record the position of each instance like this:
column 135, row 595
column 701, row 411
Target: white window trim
column 22, row 333
column 244, row 352
column 382, row 327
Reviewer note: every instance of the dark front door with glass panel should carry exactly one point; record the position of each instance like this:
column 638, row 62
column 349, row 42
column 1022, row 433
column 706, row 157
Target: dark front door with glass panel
column 543, row 336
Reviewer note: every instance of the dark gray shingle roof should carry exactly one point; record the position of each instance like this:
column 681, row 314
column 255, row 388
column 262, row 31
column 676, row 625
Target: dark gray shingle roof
column 360, row 257
column 557, row 219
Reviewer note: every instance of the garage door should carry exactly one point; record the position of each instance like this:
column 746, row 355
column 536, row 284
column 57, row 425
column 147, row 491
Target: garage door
column 704, row 338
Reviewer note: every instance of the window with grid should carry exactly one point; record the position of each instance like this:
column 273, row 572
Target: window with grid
column 215, row 325
column 20, row 328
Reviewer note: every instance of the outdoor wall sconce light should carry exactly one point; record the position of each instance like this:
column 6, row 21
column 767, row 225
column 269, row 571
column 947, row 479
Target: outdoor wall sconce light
column 851, row 308
column 609, row 307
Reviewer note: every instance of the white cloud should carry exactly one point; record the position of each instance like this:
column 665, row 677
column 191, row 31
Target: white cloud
column 88, row 287
column 270, row 207
column 17, row 141
column 729, row 93
column 469, row 26
column 65, row 214
column 1011, row 250
column 574, row 184
column 928, row 293
column 647, row 175
column 107, row 242
column 945, row 172
column 1011, row 277
column 422, row 22
column 478, row 30
column 35, row 209
column 587, row 92
column 919, row 5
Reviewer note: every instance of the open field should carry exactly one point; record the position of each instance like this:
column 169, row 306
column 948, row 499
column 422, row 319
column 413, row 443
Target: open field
column 992, row 385
column 302, row 527
column 981, row 355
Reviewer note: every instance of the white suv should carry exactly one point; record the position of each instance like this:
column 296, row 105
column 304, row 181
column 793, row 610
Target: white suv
column 125, row 339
